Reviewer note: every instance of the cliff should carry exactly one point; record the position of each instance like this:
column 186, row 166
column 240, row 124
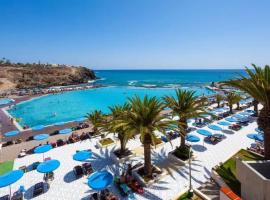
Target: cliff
column 18, row 76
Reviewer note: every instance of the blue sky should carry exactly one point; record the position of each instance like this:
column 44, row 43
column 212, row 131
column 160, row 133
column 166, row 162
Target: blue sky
column 137, row 33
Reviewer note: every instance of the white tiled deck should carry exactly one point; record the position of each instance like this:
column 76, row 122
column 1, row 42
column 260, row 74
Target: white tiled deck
column 65, row 187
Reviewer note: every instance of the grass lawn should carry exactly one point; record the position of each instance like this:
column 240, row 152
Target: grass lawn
column 186, row 196
column 6, row 167
column 228, row 170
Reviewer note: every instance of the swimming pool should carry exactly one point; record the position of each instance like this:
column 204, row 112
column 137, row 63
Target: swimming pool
column 69, row 106
column 5, row 101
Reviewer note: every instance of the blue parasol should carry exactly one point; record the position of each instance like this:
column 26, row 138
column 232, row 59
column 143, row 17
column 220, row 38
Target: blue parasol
column 38, row 127
column 244, row 113
column 43, row 148
column 204, row 132
column 100, row 180
column 222, row 123
column 9, row 178
column 65, row 131
column 238, row 116
column 82, row 155
column 259, row 130
column 192, row 138
column 40, row 137
column 255, row 136
column 215, row 127
column 231, row 119
column 48, row 166
column 250, row 111
column 11, row 133
column 59, row 123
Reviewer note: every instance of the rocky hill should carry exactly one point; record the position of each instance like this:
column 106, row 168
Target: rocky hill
column 19, row 76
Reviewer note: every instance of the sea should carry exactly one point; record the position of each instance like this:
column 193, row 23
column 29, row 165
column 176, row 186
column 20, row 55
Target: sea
column 117, row 87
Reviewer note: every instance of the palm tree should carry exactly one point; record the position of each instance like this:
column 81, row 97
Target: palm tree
column 185, row 105
column 119, row 113
column 96, row 118
column 204, row 100
column 238, row 99
column 257, row 85
column 231, row 99
column 219, row 98
column 144, row 118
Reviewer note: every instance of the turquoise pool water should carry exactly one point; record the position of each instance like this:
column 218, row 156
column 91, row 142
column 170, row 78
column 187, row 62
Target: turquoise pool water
column 5, row 101
column 72, row 105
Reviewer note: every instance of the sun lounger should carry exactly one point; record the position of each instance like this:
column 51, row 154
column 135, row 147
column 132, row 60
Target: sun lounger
column 6, row 197
column 17, row 196
column 78, row 171
column 87, row 168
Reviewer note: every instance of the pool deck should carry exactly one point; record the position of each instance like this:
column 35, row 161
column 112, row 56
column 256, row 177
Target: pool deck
column 176, row 180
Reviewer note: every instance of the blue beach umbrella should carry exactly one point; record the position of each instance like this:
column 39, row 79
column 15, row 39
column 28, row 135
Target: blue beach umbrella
column 59, row 123
column 100, row 180
column 38, row 127
column 260, row 137
column 43, row 148
column 255, row 136
column 192, row 138
column 222, row 123
column 9, row 178
column 82, row 155
column 48, row 166
column 40, row 137
column 238, row 116
column 11, row 133
column 252, row 136
column 65, row 131
column 80, row 119
column 204, row 132
column 231, row 119
column 250, row 111
column 259, row 130
column 244, row 113
column 215, row 127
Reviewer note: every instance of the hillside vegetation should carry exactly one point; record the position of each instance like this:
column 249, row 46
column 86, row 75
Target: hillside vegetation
column 19, row 76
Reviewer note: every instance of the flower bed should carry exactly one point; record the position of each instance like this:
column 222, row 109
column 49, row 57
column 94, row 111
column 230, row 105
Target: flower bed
column 147, row 181
column 180, row 155
column 105, row 142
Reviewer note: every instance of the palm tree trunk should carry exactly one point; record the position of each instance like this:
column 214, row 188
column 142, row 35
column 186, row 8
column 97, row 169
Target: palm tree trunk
column 122, row 147
column 183, row 133
column 264, row 123
column 238, row 106
column 255, row 104
column 147, row 159
column 231, row 110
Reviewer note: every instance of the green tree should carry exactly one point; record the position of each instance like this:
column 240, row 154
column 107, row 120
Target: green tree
column 96, row 118
column 231, row 99
column 257, row 85
column 185, row 105
column 144, row 118
column 114, row 125
column 219, row 98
